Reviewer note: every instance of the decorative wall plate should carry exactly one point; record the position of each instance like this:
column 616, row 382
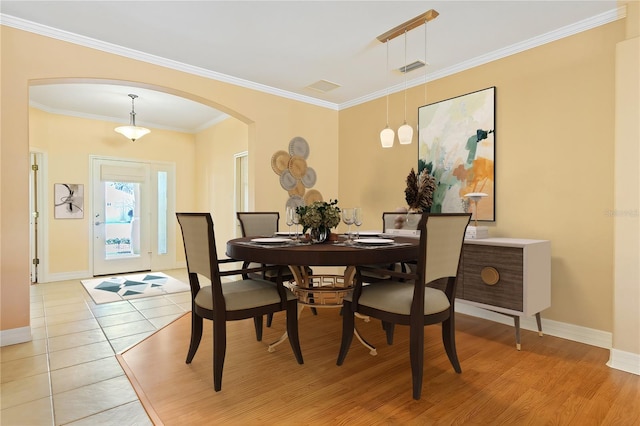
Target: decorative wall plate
column 299, row 146
column 298, row 190
column 287, row 181
column 280, row 161
column 311, row 196
column 309, row 178
column 295, row 201
column 297, row 166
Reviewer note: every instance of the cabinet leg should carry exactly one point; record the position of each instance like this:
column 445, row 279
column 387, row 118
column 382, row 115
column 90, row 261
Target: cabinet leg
column 516, row 323
column 539, row 321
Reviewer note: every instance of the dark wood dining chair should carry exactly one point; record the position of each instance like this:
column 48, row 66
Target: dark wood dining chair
column 410, row 298
column 264, row 224
column 228, row 301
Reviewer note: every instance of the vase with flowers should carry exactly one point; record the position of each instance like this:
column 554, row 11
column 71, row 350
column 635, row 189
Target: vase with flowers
column 319, row 217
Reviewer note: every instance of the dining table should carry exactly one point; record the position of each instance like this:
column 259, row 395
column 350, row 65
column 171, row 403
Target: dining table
column 300, row 255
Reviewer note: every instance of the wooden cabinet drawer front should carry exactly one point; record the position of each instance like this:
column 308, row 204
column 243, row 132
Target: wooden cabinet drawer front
column 508, row 261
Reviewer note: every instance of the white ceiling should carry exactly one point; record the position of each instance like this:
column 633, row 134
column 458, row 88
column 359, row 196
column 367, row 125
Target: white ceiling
column 282, row 47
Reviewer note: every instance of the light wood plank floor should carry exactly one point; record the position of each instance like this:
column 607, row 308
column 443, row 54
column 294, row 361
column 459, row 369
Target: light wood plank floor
column 551, row 381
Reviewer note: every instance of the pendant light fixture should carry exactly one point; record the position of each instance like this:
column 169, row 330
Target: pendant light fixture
column 405, row 132
column 387, row 135
column 132, row 131
column 421, row 136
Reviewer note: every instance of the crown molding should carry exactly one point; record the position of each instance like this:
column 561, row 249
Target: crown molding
column 22, row 24
column 569, row 30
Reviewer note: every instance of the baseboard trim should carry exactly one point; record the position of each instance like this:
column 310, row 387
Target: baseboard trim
column 625, row 361
column 14, row 336
column 67, row 276
column 572, row 332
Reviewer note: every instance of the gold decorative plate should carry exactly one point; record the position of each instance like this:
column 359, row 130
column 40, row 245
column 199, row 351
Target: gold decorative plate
column 297, row 167
column 280, row 161
column 311, row 196
column 298, row 190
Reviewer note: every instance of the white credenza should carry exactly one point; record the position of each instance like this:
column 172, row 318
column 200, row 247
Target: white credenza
column 507, row 275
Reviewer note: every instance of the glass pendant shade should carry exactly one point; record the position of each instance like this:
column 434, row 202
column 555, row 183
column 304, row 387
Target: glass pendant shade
column 405, row 134
column 386, row 137
column 132, row 132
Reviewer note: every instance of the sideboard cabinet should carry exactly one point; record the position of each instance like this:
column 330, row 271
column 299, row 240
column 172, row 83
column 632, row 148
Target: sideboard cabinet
column 508, row 276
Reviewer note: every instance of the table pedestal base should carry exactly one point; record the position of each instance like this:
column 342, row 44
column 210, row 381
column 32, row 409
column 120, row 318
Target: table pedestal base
column 372, row 349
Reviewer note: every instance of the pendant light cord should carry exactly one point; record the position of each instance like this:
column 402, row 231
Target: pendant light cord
column 405, row 76
column 387, row 73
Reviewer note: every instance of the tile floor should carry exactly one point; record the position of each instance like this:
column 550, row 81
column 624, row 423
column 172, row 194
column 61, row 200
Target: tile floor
column 68, row 373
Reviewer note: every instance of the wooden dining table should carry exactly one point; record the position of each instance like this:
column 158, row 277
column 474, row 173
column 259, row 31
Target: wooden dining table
column 300, row 255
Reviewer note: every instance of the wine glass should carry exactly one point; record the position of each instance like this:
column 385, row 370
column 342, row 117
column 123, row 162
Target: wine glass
column 291, row 211
column 357, row 220
column 347, row 218
column 296, row 221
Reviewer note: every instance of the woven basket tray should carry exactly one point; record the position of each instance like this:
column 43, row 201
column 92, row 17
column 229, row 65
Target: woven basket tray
column 322, row 290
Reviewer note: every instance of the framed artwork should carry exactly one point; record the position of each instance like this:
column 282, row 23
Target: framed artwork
column 68, row 200
column 457, row 147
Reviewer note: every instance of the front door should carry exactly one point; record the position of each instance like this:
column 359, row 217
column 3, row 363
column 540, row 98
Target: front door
column 121, row 215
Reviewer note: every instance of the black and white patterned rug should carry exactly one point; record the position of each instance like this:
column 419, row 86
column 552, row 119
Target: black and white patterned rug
column 124, row 287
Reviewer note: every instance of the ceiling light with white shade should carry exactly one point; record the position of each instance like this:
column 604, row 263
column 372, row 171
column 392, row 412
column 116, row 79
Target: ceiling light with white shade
column 132, row 131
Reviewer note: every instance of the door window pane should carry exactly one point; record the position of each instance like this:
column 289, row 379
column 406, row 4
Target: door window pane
column 121, row 227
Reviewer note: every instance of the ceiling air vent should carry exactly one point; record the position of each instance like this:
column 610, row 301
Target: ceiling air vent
column 412, row 66
column 323, row 86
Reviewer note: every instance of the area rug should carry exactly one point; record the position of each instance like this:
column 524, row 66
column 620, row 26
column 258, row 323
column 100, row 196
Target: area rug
column 124, row 287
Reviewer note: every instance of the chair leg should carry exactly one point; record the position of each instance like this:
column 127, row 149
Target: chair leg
column 292, row 330
column 219, row 351
column 257, row 323
column 348, row 326
column 269, row 319
column 388, row 327
column 196, row 336
column 416, row 350
column 449, row 341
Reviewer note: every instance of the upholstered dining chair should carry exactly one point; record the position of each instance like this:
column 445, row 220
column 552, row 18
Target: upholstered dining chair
column 262, row 224
column 410, row 299
column 228, row 301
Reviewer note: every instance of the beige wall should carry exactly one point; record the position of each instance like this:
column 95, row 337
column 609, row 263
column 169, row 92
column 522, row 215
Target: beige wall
column 626, row 320
column 215, row 167
column 554, row 160
column 28, row 58
column 68, row 143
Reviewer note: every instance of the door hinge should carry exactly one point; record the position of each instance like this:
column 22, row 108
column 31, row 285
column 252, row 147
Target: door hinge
column 35, row 215
column 36, row 261
column 34, row 167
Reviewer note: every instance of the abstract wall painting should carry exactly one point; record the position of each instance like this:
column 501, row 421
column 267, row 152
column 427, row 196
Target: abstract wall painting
column 68, row 200
column 457, row 147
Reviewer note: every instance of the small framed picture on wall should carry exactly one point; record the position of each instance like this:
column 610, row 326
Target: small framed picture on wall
column 68, row 200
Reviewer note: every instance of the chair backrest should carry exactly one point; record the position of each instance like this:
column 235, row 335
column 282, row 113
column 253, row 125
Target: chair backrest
column 400, row 220
column 199, row 246
column 441, row 239
column 258, row 224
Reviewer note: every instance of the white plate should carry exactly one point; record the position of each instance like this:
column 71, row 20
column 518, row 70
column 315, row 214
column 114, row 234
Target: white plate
column 271, row 240
column 287, row 233
column 374, row 241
